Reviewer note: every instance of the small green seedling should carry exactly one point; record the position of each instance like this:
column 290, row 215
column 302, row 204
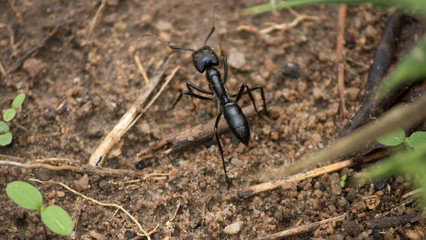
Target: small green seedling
column 343, row 181
column 417, row 140
column 27, row 196
column 8, row 115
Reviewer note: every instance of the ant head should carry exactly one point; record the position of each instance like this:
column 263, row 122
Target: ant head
column 204, row 58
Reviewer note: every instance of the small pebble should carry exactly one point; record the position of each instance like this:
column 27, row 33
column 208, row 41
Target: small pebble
column 236, row 58
column 51, row 194
column 352, row 93
column 291, row 70
column 237, row 162
column 318, row 193
column 233, row 228
column 411, row 234
column 33, row 66
column 82, row 184
column 60, row 194
column 97, row 235
column 342, row 202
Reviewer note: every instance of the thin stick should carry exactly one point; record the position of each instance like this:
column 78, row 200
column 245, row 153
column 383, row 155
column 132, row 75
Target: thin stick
column 99, row 203
column 402, row 116
column 391, row 221
column 96, row 18
column 128, row 118
column 190, row 137
column 302, row 229
column 168, row 79
column 340, row 54
column 141, row 69
column 267, row 186
column 80, row 169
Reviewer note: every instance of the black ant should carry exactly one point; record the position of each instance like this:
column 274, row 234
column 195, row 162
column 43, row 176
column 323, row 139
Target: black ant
column 205, row 59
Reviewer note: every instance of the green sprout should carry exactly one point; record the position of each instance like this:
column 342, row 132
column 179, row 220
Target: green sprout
column 8, row 115
column 27, row 196
column 343, row 181
column 417, row 140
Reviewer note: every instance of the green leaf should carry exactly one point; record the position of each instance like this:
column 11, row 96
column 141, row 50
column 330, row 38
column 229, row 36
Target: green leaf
column 17, row 102
column 5, row 139
column 24, row 194
column 411, row 162
column 392, row 139
column 343, row 181
column 417, row 140
column 57, row 220
column 9, row 114
column 3, row 127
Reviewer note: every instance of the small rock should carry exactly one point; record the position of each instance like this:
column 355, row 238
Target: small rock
column 351, row 228
column 342, row 202
column 60, row 193
column 411, row 234
column 233, row 228
column 51, row 194
column 236, row 58
column 318, row 93
column 318, row 193
column 237, row 162
column 336, row 189
column 332, row 208
column 163, row 25
column 291, row 70
column 97, row 235
column 352, row 93
column 33, row 66
column 120, row 27
column 82, row 184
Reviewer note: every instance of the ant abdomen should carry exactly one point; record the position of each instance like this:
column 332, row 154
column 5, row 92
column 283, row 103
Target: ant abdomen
column 237, row 122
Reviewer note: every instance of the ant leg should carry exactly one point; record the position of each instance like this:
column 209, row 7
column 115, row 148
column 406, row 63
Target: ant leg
column 190, row 85
column 220, row 148
column 262, row 94
column 242, row 92
column 225, row 70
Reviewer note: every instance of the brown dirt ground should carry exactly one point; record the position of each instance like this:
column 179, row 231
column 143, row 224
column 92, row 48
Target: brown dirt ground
column 87, row 84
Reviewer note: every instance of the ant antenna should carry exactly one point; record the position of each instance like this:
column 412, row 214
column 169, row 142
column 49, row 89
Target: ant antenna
column 168, row 45
column 211, row 30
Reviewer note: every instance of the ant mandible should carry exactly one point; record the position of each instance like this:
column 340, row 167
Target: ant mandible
column 205, row 59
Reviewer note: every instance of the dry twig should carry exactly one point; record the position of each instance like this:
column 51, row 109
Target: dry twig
column 305, row 228
column 190, row 137
column 80, row 169
column 281, row 27
column 145, row 233
column 141, row 69
column 340, row 54
column 130, row 117
column 96, row 18
column 267, row 186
